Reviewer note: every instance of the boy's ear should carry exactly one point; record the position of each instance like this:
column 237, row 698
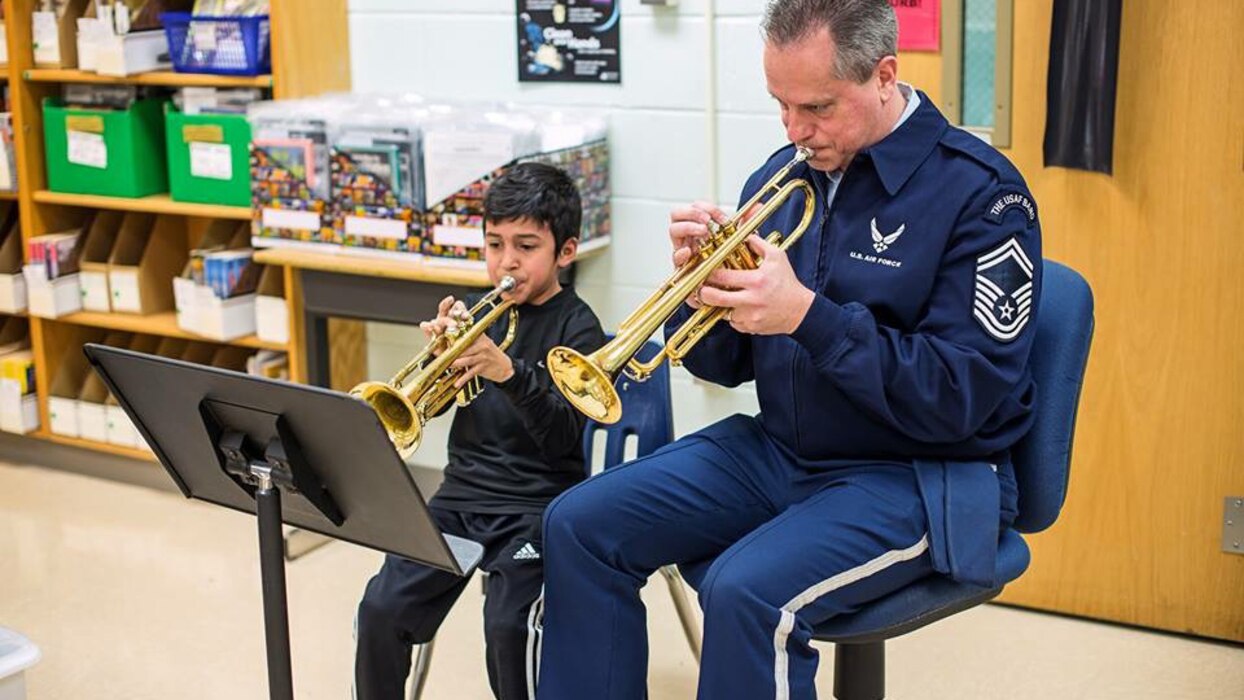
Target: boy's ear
column 566, row 255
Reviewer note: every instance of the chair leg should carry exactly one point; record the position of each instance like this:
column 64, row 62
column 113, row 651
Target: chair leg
column 423, row 653
column 419, row 668
column 859, row 671
column 686, row 615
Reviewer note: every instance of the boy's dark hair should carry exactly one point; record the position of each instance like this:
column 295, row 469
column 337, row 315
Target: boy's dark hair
column 539, row 192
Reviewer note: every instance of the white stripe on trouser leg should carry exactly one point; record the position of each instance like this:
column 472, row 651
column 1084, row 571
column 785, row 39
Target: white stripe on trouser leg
column 539, row 638
column 787, row 622
column 535, row 624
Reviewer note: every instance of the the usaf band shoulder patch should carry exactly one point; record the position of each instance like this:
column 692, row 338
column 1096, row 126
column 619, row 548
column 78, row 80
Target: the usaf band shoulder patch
column 1008, row 201
column 1003, row 300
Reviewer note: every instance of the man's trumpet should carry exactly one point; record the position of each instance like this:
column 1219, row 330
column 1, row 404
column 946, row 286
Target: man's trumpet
column 587, row 381
column 403, row 410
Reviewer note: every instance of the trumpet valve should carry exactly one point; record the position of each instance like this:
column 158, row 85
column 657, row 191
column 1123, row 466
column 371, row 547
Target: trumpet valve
column 469, row 391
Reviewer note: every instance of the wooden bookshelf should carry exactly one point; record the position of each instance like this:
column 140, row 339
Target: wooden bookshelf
column 131, row 452
column 155, row 204
column 161, row 324
column 415, row 270
column 165, row 78
column 310, row 55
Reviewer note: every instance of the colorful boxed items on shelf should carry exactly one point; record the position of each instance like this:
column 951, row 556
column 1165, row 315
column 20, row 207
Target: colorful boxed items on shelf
column 407, row 176
column 377, row 173
column 289, row 171
column 571, row 140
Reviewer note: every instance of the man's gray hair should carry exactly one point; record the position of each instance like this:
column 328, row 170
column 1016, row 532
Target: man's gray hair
column 864, row 31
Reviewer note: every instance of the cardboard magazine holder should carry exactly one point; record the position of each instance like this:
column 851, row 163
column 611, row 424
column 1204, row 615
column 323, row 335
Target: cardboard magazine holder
column 231, row 357
column 67, row 379
column 149, row 253
column 19, row 404
column 106, row 52
column 172, row 347
column 12, row 284
column 120, row 429
column 198, row 353
column 100, row 239
column 54, row 35
column 92, row 413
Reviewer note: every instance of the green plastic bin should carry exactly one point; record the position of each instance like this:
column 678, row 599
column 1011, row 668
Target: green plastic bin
column 108, row 152
column 208, row 157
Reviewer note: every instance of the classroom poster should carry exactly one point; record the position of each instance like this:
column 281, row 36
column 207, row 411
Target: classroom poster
column 569, row 41
column 919, row 22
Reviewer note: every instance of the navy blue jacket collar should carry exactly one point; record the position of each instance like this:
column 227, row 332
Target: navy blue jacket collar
column 898, row 155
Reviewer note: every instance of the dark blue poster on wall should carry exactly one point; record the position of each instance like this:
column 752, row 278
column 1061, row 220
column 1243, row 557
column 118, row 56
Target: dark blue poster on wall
column 569, row 41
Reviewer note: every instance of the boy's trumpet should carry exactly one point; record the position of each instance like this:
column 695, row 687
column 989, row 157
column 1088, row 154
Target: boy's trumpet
column 403, row 410
column 587, row 381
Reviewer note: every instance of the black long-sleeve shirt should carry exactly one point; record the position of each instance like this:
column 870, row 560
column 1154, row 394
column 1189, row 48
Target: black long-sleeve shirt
column 520, row 443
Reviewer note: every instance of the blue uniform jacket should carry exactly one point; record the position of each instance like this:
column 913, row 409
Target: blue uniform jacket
column 927, row 268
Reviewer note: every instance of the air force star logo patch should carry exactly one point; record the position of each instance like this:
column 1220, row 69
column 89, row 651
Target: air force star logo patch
column 1003, row 302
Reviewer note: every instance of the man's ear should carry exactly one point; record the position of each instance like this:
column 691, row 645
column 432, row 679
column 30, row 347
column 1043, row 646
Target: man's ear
column 887, row 76
column 566, row 255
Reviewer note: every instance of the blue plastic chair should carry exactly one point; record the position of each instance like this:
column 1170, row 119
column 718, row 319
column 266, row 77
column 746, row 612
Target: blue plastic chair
column 648, row 416
column 1042, row 461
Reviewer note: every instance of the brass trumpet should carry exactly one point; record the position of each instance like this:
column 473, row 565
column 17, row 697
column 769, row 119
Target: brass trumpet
column 403, row 410
column 587, row 381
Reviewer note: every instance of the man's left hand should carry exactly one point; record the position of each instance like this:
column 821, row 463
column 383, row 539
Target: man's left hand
column 483, row 359
column 769, row 300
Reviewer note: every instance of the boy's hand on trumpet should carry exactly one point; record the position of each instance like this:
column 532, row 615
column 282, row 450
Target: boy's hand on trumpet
column 450, row 313
column 483, row 359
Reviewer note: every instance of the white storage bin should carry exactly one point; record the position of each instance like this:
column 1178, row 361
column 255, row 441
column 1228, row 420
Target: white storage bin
column 13, row 294
column 54, row 298
column 16, row 655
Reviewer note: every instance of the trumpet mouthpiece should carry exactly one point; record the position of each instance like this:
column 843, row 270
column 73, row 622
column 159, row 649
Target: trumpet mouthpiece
column 803, row 153
column 507, row 284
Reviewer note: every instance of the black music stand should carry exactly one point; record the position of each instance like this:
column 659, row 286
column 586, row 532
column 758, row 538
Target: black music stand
column 241, row 442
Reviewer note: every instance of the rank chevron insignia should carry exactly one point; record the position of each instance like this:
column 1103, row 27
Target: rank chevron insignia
column 1003, row 300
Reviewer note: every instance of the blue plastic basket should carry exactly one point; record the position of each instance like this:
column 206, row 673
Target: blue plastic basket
column 220, row 45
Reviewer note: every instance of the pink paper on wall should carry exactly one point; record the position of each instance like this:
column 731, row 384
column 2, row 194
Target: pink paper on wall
column 919, row 24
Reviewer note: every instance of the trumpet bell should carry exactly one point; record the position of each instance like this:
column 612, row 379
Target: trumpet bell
column 396, row 414
column 585, row 385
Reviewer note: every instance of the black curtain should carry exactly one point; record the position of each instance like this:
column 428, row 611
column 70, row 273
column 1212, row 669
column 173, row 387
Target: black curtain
column 1084, row 68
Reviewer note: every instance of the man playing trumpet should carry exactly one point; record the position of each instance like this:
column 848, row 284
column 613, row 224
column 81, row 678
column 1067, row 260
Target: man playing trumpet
column 889, row 346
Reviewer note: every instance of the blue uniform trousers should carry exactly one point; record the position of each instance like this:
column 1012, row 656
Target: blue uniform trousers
column 790, row 546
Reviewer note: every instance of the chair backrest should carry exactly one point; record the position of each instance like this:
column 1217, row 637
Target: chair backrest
column 1059, row 354
column 646, row 414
